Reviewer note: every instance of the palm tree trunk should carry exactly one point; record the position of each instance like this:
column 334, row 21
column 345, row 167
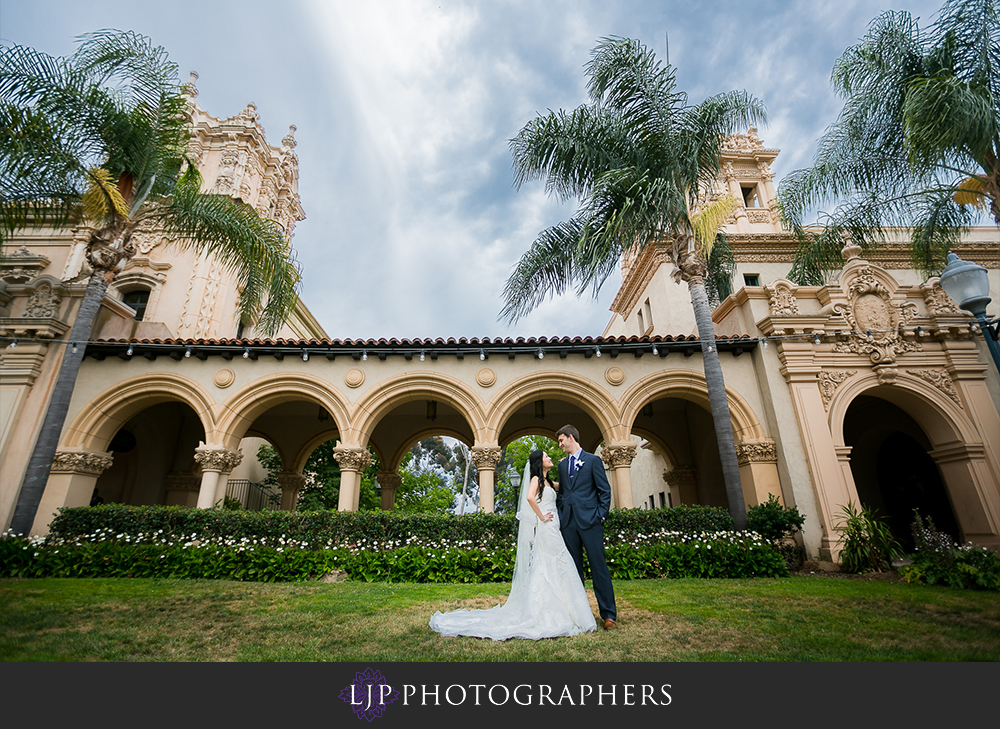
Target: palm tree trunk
column 37, row 474
column 717, row 399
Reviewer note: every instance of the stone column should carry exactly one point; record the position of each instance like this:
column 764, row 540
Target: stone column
column 290, row 485
column 758, row 471
column 71, row 483
column 486, row 459
column 389, row 481
column 182, row 489
column 618, row 457
column 683, row 483
column 353, row 462
column 216, row 464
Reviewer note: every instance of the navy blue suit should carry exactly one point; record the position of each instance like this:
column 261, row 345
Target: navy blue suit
column 583, row 501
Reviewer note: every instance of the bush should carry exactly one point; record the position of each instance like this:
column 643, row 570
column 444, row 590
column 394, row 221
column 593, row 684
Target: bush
column 868, row 544
column 938, row 560
column 776, row 524
column 158, row 541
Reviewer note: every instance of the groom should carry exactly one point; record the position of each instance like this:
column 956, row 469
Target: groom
column 583, row 500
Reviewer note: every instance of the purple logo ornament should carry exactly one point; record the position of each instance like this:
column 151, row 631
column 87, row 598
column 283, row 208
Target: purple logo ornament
column 369, row 694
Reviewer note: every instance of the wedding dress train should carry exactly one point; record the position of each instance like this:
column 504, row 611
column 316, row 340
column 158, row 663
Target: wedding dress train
column 548, row 602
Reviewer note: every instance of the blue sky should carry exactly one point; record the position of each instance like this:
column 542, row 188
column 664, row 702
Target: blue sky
column 404, row 110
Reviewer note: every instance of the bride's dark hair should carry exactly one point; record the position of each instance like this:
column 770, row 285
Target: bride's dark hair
column 536, row 469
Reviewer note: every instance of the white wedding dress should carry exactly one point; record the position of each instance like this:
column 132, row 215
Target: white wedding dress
column 548, row 602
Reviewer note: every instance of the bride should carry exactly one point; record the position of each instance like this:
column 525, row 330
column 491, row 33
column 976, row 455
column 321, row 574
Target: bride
column 547, row 598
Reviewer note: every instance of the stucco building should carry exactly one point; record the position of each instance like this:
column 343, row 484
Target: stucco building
column 871, row 389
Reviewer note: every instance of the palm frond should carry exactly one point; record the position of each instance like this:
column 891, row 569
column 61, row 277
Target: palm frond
column 707, row 221
column 103, row 199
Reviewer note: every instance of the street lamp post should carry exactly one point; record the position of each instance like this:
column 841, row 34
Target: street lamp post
column 969, row 285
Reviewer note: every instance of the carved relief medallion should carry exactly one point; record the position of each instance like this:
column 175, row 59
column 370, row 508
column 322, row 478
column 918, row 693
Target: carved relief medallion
column 875, row 319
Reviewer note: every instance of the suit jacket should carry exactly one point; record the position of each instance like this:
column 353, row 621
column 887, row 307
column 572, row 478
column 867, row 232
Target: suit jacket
column 585, row 499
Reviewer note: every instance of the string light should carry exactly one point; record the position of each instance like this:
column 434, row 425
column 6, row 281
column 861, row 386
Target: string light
column 598, row 352
column 246, row 353
column 364, row 355
column 816, row 340
column 541, row 354
column 421, row 355
column 187, row 352
column 305, row 356
column 129, row 352
column 920, row 331
column 74, row 348
column 482, row 354
column 763, row 342
column 12, row 344
column 656, row 352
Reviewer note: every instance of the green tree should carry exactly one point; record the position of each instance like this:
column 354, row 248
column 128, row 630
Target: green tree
column 322, row 472
column 643, row 163
column 423, row 491
column 916, row 145
column 99, row 138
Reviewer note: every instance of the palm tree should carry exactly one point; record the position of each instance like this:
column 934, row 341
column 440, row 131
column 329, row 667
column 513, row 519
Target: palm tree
column 99, row 138
column 643, row 163
column 916, row 145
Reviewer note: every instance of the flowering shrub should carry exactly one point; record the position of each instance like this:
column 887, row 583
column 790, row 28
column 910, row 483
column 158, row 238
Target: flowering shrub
column 939, row 560
column 106, row 553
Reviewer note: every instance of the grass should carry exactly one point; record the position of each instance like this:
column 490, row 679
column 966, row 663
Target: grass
column 795, row 619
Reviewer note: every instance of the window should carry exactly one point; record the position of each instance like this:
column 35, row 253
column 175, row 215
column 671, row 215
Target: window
column 663, row 499
column 138, row 300
column 649, row 313
column 751, row 279
column 750, row 197
column 652, row 504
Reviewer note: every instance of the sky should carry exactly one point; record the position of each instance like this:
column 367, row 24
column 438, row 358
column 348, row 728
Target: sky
column 404, row 110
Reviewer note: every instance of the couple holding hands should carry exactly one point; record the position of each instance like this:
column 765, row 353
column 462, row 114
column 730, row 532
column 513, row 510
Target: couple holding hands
column 557, row 522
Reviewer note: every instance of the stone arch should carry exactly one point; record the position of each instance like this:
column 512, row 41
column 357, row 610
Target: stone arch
column 98, row 421
column 956, row 447
column 560, row 385
column 408, row 387
column 942, row 419
column 239, row 411
column 691, row 386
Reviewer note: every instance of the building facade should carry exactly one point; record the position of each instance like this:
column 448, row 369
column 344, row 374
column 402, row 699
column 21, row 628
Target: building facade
column 873, row 389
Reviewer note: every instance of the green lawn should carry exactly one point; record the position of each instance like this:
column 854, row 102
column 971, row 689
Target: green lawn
column 796, row 619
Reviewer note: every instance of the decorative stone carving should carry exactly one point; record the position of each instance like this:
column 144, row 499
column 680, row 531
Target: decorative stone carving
column 937, row 301
column 354, row 377
column 87, row 463
column 145, row 241
column 486, row 377
column 189, row 88
column 759, row 216
column 389, row 480
column 748, row 142
column 43, row 302
column 940, row 379
column 760, row 452
column 887, row 374
column 829, row 381
column 352, row 459
column 188, row 482
column 614, row 375
column 681, row 476
column 876, row 321
column 486, row 458
column 782, row 298
column 211, row 458
column 289, row 139
column 615, row 456
column 224, row 378
column 764, row 169
column 290, row 482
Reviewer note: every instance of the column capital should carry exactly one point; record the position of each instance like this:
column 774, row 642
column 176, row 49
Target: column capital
column 352, row 459
column 618, row 455
column 291, row 482
column 765, row 451
column 486, row 458
column 217, row 458
column 389, row 480
column 81, row 461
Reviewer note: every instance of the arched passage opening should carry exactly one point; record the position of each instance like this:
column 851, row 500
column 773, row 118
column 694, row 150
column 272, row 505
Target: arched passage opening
column 153, row 458
column 893, row 469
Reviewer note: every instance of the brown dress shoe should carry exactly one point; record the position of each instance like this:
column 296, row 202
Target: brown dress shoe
column 609, row 623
